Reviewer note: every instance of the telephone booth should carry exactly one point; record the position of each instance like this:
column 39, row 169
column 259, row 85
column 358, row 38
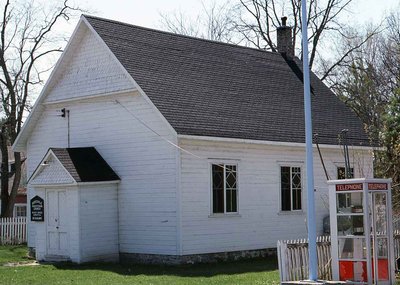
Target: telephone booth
column 361, row 231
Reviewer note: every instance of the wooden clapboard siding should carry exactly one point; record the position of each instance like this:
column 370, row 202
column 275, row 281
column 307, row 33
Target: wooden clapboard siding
column 98, row 222
column 259, row 223
column 146, row 164
column 88, row 69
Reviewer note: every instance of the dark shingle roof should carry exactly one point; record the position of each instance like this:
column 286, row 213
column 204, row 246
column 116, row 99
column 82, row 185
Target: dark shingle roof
column 85, row 164
column 208, row 88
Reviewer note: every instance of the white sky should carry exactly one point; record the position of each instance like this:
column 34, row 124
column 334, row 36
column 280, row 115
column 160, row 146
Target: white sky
column 147, row 12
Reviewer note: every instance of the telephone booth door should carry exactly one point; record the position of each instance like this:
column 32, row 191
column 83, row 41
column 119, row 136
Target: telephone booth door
column 380, row 230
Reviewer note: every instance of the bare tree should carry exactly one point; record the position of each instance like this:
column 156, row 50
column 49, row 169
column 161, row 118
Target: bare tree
column 369, row 77
column 254, row 23
column 257, row 21
column 214, row 22
column 27, row 39
column 361, row 82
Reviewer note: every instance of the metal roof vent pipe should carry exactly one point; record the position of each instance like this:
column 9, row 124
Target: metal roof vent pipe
column 285, row 40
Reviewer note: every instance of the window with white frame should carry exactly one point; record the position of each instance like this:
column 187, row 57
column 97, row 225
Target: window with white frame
column 291, row 188
column 224, row 188
column 341, row 172
column 19, row 211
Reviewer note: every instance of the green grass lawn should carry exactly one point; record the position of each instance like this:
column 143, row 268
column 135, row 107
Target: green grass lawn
column 258, row 271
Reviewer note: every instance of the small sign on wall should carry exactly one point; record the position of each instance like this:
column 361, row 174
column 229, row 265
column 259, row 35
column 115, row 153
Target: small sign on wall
column 37, row 209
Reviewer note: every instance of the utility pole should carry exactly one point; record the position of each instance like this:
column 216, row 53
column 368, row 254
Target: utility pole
column 312, row 232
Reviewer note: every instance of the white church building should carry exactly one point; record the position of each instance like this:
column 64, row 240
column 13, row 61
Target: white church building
column 157, row 147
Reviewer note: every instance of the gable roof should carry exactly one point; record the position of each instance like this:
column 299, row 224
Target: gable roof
column 207, row 88
column 85, row 164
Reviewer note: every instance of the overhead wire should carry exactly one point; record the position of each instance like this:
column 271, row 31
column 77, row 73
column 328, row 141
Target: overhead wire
column 204, row 158
column 156, row 133
column 195, row 155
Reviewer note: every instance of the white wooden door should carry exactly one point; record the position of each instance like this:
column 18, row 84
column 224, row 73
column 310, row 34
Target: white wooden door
column 57, row 240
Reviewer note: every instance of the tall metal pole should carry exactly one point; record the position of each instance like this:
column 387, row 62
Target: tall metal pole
column 312, row 232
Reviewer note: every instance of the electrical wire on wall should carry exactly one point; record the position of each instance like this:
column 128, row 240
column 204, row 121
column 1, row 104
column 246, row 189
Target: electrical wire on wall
column 156, row 133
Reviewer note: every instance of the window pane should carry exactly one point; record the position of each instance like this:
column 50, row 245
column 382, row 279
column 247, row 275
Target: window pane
column 20, row 211
column 231, row 201
column 352, row 248
column 380, row 210
column 296, row 188
column 296, row 178
column 218, row 201
column 231, row 192
column 349, row 202
column 228, row 200
column 285, row 188
column 218, row 188
column 234, row 201
column 350, row 225
column 296, row 199
column 230, row 176
column 341, row 172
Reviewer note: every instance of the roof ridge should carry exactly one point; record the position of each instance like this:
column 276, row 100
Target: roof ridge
column 180, row 35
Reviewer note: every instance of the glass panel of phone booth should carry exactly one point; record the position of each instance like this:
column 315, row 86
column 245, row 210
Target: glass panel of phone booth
column 379, row 237
column 352, row 248
column 349, row 203
column 351, row 240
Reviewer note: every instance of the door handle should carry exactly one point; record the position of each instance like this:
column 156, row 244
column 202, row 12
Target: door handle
column 57, row 227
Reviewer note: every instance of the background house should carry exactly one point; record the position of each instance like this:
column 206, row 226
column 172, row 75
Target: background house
column 20, row 201
column 207, row 140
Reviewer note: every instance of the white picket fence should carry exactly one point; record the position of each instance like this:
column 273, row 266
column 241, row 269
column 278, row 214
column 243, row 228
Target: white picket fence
column 12, row 231
column 293, row 259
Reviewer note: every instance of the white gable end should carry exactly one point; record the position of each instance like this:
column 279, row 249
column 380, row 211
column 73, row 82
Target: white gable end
column 51, row 172
column 88, row 68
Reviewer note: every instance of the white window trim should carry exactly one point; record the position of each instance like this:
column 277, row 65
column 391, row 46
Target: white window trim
column 291, row 164
column 225, row 162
